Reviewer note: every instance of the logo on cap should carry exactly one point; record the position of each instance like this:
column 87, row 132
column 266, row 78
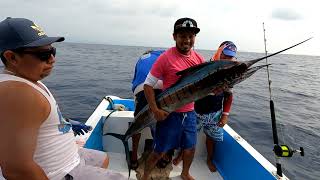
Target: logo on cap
column 38, row 29
column 187, row 23
column 231, row 47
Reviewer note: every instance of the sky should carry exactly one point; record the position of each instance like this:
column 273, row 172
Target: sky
column 149, row 23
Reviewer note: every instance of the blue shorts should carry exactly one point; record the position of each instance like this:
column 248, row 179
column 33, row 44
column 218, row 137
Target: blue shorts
column 179, row 130
column 209, row 122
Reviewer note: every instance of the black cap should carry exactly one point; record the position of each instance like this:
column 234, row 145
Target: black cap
column 186, row 23
column 19, row 32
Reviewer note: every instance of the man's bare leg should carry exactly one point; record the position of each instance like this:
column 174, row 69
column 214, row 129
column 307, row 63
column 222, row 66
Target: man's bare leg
column 105, row 163
column 210, row 150
column 187, row 157
column 150, row 164
column 176, row 161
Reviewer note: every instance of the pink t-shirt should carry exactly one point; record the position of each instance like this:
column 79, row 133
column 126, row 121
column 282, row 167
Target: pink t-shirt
column 169, row 63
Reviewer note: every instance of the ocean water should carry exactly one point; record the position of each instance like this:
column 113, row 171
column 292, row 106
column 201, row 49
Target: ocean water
column 85, row 73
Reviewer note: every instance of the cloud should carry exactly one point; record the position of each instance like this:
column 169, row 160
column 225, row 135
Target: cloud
column 286, row 14
column 150, row 22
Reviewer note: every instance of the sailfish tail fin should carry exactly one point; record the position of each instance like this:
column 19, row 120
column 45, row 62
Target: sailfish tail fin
column 126, row 148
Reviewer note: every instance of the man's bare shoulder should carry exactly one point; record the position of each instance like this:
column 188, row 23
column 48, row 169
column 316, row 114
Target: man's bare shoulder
column 21, row 97
column 17, row 90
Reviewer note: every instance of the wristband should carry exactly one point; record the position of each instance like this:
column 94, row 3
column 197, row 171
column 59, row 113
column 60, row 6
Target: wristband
column 225, row 113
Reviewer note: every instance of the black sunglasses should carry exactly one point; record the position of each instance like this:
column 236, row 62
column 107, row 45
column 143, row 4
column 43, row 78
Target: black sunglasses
column 41, row 55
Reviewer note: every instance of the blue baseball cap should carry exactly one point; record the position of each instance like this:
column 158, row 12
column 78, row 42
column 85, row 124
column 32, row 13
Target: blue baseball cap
column 230, row 50
column 20, row 32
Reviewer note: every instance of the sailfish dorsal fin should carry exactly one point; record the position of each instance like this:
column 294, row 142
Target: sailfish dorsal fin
column 192, row 69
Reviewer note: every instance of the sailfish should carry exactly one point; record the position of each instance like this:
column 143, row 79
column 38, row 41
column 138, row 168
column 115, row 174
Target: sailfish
column 195, row 83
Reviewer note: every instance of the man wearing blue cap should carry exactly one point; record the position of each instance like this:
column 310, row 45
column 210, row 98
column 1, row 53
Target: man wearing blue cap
column 36, row 141
column 226, row 51
column 213, row 110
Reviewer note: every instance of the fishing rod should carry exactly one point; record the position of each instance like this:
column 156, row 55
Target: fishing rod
column 279, row 150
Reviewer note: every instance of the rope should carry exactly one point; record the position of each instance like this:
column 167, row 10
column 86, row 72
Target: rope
column 115, row 107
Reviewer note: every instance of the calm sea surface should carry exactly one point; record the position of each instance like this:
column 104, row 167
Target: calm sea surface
column 85, row 73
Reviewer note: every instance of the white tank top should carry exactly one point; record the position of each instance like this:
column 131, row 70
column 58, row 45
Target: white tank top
column 56, row 152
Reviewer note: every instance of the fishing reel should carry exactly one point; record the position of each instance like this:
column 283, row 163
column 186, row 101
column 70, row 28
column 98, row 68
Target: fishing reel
column 285, row 151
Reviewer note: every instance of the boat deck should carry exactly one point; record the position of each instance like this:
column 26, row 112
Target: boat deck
column 198, row 170
column 117, row 123
column 238, row 151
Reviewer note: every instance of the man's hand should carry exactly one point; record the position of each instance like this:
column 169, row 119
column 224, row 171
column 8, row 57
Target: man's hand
column 223, row 120
column 79, row 127
column 160, row 114
column 219, row 90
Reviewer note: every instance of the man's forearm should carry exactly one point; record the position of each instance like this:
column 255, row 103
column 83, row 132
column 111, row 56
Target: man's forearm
column 227, row 102
column 150, row 96
column 30, row 171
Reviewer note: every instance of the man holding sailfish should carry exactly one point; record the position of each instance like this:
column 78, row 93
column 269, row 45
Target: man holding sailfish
column 213, row 110
column 177, row 129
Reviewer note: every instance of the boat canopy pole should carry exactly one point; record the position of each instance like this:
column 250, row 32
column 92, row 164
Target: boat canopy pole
column 279, row 150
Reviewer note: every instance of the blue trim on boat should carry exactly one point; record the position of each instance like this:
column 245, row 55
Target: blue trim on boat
column 95, row 139
column 233, row 161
